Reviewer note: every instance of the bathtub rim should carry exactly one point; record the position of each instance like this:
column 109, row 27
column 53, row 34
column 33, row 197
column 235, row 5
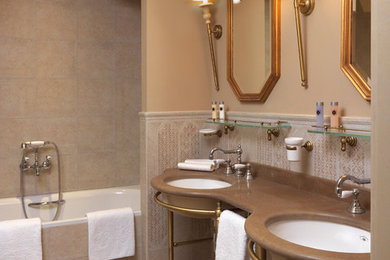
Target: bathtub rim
column 87, row 193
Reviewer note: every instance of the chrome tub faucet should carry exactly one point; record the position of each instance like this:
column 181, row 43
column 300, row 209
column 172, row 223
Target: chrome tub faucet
column 355, row 207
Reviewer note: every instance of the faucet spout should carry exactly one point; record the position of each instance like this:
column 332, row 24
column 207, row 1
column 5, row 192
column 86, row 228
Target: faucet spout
column 237, row 151
column 347, row 177
column 355, row 207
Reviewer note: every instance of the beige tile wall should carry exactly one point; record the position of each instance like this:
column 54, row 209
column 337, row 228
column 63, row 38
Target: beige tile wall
column 70, row 73
column 170, row 137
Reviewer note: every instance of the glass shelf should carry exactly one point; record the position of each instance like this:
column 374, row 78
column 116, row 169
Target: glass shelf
column 263, row 125
column 339, row 132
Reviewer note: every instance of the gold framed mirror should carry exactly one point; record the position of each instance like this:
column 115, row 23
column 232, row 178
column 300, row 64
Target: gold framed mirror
column 253, row 48
column 356, row 44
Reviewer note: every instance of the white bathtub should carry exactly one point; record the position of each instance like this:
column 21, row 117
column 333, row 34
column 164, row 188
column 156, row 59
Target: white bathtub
column 77, row 204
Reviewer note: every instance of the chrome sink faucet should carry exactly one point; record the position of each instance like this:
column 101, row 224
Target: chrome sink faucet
column 237, row 151
column 355, row 207
column 236, row 169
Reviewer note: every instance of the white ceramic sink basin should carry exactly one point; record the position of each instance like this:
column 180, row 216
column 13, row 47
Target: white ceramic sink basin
column 323, row 235
column 199, row 183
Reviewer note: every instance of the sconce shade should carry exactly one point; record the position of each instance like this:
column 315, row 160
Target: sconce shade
column 204, row 2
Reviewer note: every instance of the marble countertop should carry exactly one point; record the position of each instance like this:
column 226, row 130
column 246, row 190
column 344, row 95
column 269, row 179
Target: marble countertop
column 277, row 194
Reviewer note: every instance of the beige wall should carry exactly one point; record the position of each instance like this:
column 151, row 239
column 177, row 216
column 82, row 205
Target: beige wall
column 380, row 199
column 178, row 67
column 322, row 32
column 69, row 73
column 176, row 62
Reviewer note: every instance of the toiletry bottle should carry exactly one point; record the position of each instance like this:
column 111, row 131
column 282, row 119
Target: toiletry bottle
column 320, row 114
column 334, row 117
column 214, row 110
column 221, row 111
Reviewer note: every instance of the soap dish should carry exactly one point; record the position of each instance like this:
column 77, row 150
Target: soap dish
column 210, row 132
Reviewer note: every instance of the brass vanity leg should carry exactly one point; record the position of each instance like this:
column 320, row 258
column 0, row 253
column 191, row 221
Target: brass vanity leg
column 170, row 234
column 217, row 215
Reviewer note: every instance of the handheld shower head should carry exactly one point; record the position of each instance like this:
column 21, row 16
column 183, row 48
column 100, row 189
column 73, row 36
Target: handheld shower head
column 33, row 144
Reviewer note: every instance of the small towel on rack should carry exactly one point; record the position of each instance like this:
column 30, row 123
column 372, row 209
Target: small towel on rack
column 111, row 234
column 231, row 238
column 21, row 239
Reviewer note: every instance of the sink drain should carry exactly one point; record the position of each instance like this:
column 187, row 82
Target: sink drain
column 364, row 238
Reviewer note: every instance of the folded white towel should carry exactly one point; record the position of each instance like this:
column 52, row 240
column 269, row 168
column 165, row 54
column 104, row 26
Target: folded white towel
column 231, row 239
column 21, row 239
column 111, row 234
column 197, row 166
column 206, row 161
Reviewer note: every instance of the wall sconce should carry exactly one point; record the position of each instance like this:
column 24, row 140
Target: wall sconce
column 216, row 31
column 305, row 7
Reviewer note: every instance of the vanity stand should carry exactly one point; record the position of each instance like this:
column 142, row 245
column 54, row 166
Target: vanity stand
column 195, row 213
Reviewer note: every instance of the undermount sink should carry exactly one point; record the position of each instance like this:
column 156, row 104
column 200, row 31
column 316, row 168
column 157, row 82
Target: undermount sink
column 195, row 202
column 199, row 183
column 323, row 235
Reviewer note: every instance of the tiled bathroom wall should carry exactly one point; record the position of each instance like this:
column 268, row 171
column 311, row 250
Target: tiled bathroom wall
column 70, row 73
column 167, row 138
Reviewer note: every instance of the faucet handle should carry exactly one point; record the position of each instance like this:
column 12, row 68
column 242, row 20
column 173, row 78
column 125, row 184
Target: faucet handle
column 229, row 169
column 47, row 163
column 346, row 194
column 239, row 167
column 249, row 175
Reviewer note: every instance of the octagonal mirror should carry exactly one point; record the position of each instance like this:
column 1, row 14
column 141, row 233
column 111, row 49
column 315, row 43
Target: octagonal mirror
column 253, row 65
column 356, row 44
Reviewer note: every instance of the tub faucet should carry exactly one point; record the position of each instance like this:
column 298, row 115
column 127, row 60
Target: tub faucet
column 36, row 166
column 355, row 207
column 237, row 151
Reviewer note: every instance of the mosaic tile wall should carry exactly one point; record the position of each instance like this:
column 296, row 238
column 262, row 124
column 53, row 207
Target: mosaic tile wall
column 167, row 138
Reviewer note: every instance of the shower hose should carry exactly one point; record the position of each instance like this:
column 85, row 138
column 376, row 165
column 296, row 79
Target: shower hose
column 58, row 202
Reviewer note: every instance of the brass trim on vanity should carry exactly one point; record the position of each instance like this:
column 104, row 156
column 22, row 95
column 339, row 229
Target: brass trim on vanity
column 181, row 209
column 275, row 62
column 172, row 208
column 250, row 245
column 346, row 52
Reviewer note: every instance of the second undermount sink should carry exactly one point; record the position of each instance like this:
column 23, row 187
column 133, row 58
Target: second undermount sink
column 323, row 235
column 199, row 183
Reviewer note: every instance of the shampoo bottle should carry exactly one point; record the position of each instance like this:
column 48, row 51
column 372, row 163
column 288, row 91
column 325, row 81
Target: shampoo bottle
column 320, row 114
column 214, row 110
column 334, row 117
column 221, row 111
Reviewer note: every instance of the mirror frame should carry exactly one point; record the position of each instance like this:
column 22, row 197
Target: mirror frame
column 275, row 62
column 346, row 52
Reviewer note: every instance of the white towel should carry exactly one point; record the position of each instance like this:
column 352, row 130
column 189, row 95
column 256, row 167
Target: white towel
column 197, row 166
column 111, row 234
column 217, row 162
column 231, row 239
column 21, row 239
